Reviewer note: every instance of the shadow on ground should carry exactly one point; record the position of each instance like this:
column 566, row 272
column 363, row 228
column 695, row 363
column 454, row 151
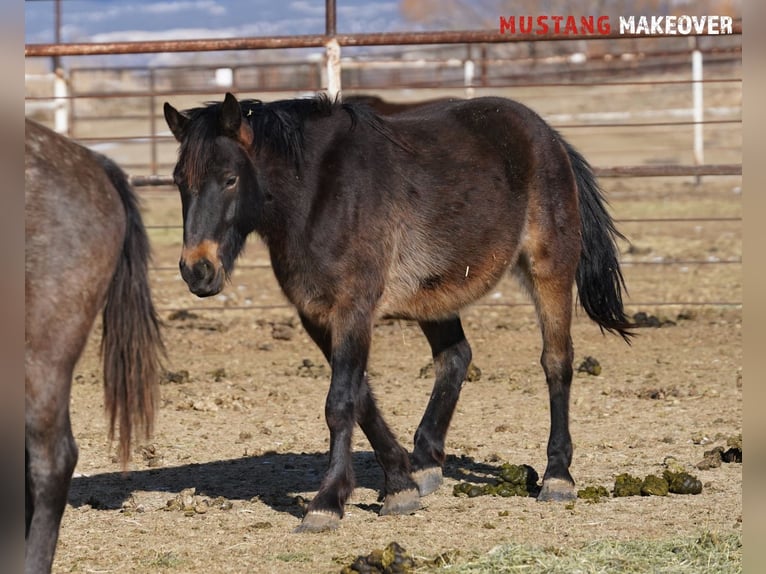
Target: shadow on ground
column 272, row 478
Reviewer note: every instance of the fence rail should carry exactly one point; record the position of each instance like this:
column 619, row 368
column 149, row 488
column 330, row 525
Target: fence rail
column 321, row 41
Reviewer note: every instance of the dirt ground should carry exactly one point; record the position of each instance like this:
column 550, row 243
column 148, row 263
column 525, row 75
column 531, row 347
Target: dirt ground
column 241, row 419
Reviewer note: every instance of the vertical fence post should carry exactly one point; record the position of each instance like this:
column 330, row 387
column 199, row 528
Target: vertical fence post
column 152, row 124
column 60, row 94
column 468, row 71
column 699, row 110
column 332, row 51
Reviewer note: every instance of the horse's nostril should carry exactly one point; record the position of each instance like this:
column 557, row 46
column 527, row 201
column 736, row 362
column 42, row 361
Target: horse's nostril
column 202, row 269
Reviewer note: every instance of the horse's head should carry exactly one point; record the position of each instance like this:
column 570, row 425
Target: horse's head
column 213, row 172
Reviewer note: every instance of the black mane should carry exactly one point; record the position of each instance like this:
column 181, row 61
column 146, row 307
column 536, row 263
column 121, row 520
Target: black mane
column 277, row 126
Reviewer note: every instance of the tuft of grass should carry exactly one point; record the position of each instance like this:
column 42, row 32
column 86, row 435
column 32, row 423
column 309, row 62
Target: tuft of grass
column 164, row 560
column 293, row 557
column 708, row 553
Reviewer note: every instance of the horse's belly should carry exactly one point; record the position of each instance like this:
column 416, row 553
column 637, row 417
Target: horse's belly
column 429, row 293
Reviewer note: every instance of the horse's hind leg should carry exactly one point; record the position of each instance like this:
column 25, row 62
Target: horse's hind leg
column 452, row 356
column 550, row 284
column 50, row 458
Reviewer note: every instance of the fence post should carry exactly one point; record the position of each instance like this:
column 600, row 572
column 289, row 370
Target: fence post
column 699, row 110
column 332, row 51
column 152, row 123
column 60, row 93
column 468, row 71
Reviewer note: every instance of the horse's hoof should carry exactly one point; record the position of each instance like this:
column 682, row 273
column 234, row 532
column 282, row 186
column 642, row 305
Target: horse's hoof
column 428, row 479
column 404, row 502
column 556, row 490
column 319, row 521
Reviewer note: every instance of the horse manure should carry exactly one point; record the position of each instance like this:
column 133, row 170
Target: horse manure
column 677, row 482
column 711, row 459
column 591, row 366
column 732, row 455
column 654, row 486
column 393, row 559
column 714, row 457
column 682, row 482
column 672, row 464
column 512, row 480
column 473, row 374
column 593, row 493
column 518, row 474
column 627, row 485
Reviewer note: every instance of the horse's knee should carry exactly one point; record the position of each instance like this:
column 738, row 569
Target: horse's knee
column 452, row 363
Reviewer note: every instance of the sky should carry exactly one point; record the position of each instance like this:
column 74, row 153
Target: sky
column 147, row 20
column 121, row 20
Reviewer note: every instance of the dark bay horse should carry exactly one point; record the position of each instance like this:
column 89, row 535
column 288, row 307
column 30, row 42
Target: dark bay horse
column 413, row 216
column 86, row 249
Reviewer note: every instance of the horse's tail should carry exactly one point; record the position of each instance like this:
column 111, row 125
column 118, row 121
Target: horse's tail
column 599, row 279
column 131, row 344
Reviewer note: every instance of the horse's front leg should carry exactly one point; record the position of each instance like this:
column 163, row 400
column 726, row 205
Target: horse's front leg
column 348, row 361
column 401, row 495
column 401, row 491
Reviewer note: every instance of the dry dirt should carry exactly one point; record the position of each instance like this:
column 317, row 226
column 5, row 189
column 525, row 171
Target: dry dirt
column 241, row 419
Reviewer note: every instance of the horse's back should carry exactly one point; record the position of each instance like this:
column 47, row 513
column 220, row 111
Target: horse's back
column 75, row 225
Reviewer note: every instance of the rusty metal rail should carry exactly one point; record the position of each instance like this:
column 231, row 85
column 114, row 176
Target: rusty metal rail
column 316, row 41
column 614, row 171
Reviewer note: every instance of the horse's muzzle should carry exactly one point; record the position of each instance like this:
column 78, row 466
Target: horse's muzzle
column 202, row 277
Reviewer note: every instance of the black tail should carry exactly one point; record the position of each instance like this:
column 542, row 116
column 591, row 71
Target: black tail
column 131, row 344
column 599, row 279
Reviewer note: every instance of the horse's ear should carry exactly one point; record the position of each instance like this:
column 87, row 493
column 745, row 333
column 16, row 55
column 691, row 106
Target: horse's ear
column 231, row 121
column 231, row 115
column 176, row 121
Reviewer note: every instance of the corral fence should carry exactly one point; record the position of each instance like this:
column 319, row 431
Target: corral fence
column 96, row 104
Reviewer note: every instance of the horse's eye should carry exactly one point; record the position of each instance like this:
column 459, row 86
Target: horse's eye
column 231, row 182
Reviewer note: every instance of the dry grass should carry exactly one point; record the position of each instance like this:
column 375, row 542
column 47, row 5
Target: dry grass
column 707, row 553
